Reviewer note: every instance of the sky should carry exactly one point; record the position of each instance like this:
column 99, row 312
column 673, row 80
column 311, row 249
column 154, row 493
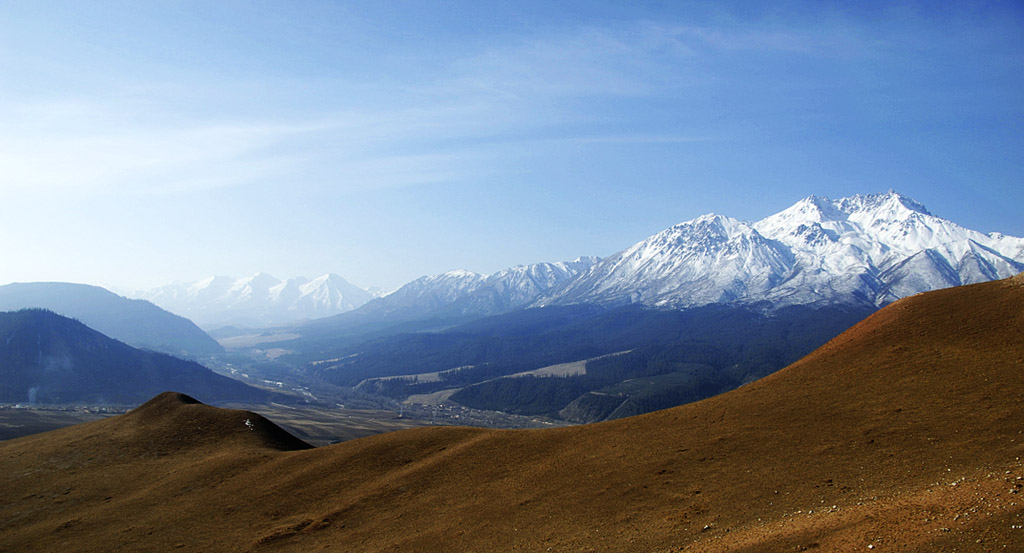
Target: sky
column 143, row 143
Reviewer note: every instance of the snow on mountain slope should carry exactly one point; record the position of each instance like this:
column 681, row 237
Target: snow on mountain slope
column 520, row 286
column 712, row 258
column 862, row 249
column 423, row 295
column 466, row 293
column 259, row 300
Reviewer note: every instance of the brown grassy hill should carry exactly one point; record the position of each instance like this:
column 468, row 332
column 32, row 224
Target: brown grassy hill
column 903, row 434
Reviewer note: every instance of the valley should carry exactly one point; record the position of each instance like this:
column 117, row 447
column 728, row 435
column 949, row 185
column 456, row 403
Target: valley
column 17, row 421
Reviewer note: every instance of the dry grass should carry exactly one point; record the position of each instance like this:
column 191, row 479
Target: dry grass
column 902, row 434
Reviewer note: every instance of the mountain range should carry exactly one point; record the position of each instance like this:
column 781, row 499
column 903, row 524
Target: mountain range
column 865, row 249
column 901, row 434
column 260, row 300
column 870, row 249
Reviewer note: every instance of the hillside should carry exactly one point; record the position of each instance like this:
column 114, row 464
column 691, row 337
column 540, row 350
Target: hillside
column 901, row 434
column 47, row 358
column 135, row 322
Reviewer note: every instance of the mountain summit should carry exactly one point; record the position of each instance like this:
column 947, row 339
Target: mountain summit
column 870, row 249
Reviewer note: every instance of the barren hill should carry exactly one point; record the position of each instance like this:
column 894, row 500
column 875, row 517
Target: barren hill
column 903, row 434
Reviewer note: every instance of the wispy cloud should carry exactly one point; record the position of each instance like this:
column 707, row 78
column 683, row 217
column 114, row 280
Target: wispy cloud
column 81, row 148
column 559, row 87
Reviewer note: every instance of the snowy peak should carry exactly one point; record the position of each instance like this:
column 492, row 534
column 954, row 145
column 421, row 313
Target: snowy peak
column 892, row 204
column 463, row 293
column 877, row 226
column 710, row 259
column 822, row 211
column 812, row 210
column 438, row 289
column 259, row 300
column 703, row 234
column 523, row 285
column 255, row 288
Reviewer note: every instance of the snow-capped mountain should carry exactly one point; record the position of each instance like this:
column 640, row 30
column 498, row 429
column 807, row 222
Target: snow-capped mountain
column 423, row 295
column 466, row 293
column 520, row 286
column 259, row 300
column 711, row 259
column 862, row 249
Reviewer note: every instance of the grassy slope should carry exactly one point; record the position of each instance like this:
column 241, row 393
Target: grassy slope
column 860, row 443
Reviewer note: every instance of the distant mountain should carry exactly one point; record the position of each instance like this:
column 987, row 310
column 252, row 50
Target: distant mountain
column 138, row 323
column 424, row 296
column 711, row 259
column 48, row 358
column 441, row 301
column 871, row 249
column 467, row 293
column 260, row 300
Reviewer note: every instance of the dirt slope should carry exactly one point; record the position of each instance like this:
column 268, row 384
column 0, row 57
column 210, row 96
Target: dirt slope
column 902, row 434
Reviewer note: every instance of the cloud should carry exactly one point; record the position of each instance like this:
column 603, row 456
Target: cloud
column 577, row 85
column 83, row 148
column 592, row 61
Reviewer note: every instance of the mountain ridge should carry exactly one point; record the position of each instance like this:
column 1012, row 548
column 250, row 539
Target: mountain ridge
column 260, row 300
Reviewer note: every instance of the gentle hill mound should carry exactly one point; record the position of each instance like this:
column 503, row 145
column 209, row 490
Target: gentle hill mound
column 47, row 358
column 904, row 433
column 170, row 424
column 138, row 323
column 176, row 421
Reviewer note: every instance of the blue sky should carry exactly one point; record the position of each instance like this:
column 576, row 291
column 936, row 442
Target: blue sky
column 143, row 143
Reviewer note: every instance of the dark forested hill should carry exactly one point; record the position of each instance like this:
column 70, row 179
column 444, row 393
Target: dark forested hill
column 48, row 358
column 135, row 322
